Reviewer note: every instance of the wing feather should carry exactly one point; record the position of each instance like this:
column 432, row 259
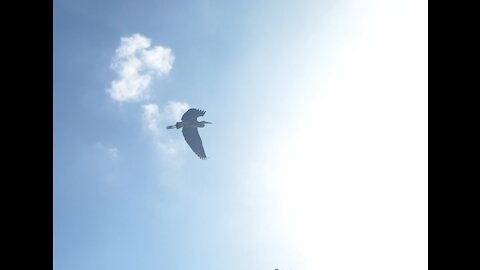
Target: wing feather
column 194, row 141
column 192, row 115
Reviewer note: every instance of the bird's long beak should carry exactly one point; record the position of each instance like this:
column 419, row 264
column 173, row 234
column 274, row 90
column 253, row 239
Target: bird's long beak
column 208, row 122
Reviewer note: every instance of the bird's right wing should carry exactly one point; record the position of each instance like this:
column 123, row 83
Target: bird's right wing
column 192, row 115
column 194, row 141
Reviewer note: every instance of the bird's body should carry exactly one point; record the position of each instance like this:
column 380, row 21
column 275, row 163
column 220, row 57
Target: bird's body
column 189, row 127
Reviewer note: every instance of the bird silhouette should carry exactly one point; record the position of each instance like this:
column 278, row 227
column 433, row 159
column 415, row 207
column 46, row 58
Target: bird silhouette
column 189, row 127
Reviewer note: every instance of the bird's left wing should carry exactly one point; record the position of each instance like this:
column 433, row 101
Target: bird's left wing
column 194, row 141
column 192, row 114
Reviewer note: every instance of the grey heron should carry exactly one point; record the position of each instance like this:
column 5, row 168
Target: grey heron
column 189, row 127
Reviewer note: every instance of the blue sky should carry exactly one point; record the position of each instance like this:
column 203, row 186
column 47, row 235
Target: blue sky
column 317, row 158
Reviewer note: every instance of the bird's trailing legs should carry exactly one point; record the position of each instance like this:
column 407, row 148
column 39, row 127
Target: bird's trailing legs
column 177, row 126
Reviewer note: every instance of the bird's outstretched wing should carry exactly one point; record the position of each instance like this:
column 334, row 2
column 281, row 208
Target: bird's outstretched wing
column 194, row 141
column 192, row 114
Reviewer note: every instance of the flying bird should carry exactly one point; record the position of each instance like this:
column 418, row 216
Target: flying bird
column 189, row 127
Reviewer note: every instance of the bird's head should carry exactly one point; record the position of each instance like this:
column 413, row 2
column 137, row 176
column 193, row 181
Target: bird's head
column 205, row 122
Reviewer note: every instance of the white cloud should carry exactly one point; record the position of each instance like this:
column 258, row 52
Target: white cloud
column 111, row 151
column 174, row 110
column 137, row 64
column 151, row 117
column 159, row 59
column 156, row 121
